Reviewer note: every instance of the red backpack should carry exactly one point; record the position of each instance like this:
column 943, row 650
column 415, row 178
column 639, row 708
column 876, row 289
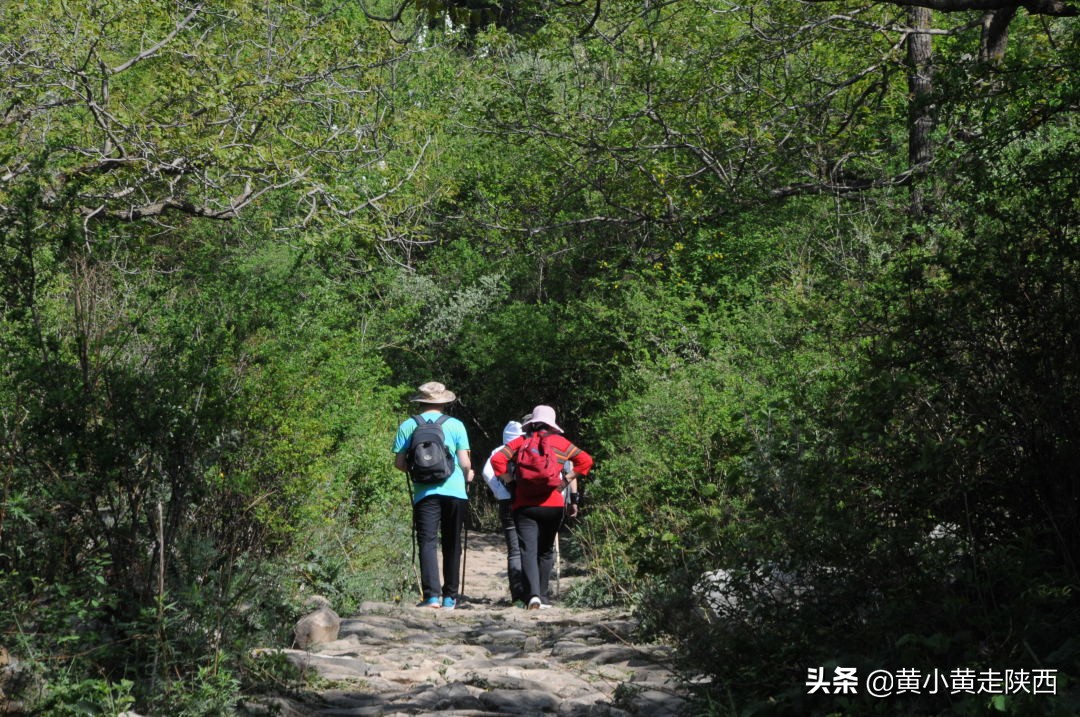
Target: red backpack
column 538, row 468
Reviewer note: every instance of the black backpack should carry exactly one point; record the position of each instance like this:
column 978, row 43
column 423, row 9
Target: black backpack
column 428, row 458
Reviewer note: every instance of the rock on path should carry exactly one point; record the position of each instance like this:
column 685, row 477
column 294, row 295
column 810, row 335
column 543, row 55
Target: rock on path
column 484, row 658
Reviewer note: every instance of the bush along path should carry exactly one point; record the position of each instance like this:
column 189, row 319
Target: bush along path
column 484, row 658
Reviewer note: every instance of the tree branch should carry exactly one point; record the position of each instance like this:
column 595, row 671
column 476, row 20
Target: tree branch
column 183, row 206
column 151, row 51
column 394, row 17
column 1055, row 8
column 851, row 187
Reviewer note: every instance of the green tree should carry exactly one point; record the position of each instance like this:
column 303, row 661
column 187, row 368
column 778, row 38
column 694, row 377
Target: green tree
column 125, row 111
column 147, row 476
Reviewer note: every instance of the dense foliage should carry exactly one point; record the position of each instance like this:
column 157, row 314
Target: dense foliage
column 831, row 381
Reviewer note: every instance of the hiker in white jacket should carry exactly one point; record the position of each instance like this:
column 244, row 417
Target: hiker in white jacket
column 502, row 494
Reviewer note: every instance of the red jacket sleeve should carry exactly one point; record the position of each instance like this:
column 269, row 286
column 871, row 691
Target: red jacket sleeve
column 567, row 451
column 500, row 461
column 582, row 462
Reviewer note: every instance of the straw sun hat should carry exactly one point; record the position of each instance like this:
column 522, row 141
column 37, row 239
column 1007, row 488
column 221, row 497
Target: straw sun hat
column 433, row 392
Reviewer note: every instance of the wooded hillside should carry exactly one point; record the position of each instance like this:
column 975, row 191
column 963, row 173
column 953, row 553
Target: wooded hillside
column 802, row 276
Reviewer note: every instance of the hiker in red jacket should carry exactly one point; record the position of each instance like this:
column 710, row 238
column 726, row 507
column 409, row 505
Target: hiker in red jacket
column 538, row 505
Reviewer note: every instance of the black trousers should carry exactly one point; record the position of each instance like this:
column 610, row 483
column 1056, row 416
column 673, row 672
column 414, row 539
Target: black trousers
column 434, row 517
column 537, row 528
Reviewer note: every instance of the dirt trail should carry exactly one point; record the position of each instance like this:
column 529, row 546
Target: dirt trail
column 484, row 658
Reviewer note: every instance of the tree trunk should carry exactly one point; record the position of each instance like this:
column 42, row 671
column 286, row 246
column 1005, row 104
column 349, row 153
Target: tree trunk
column 995, row 34
column 920, row 112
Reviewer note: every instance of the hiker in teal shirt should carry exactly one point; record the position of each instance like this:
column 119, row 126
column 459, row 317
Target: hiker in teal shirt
column 438, row 508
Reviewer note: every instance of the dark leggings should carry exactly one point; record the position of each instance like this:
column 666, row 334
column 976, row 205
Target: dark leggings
column 537, row 528
column 513, row 553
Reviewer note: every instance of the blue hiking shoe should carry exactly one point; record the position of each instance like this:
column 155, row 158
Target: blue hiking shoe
column 431, row 602
column 449, row 603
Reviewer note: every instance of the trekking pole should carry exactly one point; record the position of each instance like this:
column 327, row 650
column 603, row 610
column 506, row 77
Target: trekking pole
column 416, row 569
column 412, row 534
column 465, row 549
column 558, row 566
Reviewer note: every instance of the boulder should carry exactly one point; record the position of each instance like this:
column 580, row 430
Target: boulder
column 318, row 627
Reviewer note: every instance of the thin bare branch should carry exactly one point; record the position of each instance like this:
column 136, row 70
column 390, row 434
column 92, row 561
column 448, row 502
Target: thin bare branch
column 153, row 50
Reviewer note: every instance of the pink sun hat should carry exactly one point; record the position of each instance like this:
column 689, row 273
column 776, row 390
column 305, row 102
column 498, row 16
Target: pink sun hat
column 545, row 415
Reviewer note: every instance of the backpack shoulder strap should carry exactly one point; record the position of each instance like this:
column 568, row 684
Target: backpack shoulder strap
column 419, row 419
column 441, row 419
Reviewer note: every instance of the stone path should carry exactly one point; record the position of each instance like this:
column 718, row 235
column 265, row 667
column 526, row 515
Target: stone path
column 484, row 658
